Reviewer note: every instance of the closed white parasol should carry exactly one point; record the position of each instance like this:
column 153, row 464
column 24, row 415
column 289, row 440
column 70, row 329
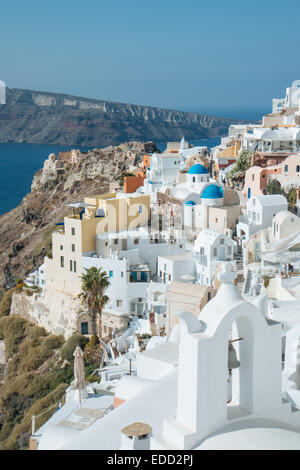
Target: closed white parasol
column 79, row 371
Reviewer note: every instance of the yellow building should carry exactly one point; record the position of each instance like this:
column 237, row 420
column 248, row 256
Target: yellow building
column 112, row 212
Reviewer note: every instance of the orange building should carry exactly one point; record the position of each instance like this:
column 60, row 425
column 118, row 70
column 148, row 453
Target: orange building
column 132, row 183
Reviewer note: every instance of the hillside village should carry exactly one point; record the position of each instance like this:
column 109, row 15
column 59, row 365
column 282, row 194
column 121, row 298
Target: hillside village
column 185, row 266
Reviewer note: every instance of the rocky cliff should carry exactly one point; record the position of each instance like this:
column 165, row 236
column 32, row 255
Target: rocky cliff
column 25, row 232
column 51, row 118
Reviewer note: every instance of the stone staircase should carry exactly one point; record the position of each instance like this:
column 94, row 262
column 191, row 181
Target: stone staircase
column 240, row 268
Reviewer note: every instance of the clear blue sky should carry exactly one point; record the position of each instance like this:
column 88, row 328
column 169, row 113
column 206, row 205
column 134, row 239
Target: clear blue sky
column 184, row 54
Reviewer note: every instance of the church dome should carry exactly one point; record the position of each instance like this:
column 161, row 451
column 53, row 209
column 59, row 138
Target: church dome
column 212, row 192
column 198, row 169
column 190, row 203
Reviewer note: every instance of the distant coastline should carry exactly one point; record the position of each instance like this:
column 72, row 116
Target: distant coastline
column 20, row 161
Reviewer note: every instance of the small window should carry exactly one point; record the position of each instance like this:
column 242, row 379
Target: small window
column 61, row 247
column 73, row 230
column 136, row 241
column 62, row 262
column 122, row 274
column 252, row 177
column 111, row 274
column 73, row 247
column 75, row 267
column 140, row 208
column 119, row 303
column 297, row 168
column 222, row 241
column 292, row 219
column 194, row 179
column 169, row 277
column 165, row 267
column 217, row 220
column 115, row 241
column 71, row 265
column 286, row 168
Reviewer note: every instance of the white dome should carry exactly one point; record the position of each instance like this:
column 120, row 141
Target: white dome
column 253, row 439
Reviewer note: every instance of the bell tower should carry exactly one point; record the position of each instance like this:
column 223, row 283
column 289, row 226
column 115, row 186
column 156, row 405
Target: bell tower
column 205, row 361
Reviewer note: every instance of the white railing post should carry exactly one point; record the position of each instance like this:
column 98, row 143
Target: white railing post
column 33, row 425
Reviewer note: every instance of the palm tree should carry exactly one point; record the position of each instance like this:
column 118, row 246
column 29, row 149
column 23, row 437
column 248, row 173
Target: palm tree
column 94, row 283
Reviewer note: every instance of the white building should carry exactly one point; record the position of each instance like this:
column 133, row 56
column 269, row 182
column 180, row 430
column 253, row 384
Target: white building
column 264, row 139
column 163, row 171
column 130, row 260
column 210, row 249
column 291, row 100
column 260, row 213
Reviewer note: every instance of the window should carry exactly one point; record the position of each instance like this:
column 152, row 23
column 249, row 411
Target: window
column 252, row 177
column 73, row 230
column 160, row 274
column 75, row 267
column 222, row 241
column 73, row 247
column 84, row 327
column 115, row 241
column 169, row 277
column 61, row 247
column 297, row 168
column 194, row 179
column 136, row 241
column 214, row 251
column 286, row 168
column 111, row 274
column 165, row 267
column 62, row 262
column 140, row 208
column 292, row 219
column 119, row 303
column 71, row 265
column 122, row 274
column 217, row 220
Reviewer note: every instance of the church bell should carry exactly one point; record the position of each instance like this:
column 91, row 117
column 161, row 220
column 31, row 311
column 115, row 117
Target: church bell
column 233, row 362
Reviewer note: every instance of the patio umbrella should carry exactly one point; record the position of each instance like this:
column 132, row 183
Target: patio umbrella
column 79, row 371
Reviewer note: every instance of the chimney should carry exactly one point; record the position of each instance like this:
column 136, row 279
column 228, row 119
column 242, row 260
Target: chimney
column 136, row 436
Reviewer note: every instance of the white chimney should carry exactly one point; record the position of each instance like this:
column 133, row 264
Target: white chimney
column 136, row 436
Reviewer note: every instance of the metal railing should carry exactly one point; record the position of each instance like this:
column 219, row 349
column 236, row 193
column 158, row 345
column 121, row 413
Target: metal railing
column 56, row 405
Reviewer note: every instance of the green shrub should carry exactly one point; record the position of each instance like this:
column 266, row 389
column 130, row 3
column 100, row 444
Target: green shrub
column 12, row 330
column 94, row 340
column 67, row 350
column 35, row 332
column 24, row 427
column 50, row 343
column 5, row 303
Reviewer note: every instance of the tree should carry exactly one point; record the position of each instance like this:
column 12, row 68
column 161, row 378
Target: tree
column 242, row 164
column 292, row 196
column 274, row 187
column 94, row 284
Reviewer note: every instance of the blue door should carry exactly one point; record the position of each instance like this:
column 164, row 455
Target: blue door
column 249, row 193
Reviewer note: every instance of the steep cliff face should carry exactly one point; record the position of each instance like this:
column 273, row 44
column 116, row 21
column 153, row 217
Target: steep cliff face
column 25, row 232
column 51, row 118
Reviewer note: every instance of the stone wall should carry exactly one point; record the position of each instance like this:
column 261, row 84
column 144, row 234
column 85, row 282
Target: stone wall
column 56, row 311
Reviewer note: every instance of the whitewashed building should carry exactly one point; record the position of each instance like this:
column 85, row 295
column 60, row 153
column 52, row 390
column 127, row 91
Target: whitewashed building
column 259, row 214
